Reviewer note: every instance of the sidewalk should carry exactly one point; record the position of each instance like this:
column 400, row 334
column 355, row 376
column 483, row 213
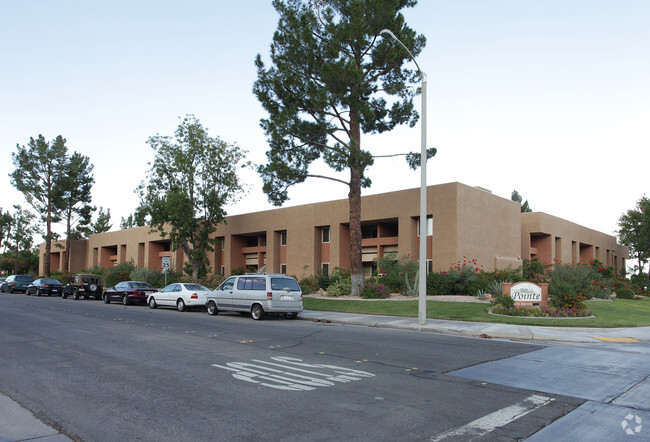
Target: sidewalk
column 19, row 424
column 487, row 330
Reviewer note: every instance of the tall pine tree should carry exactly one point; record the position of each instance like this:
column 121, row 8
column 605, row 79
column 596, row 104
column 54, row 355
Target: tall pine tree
column 332, row 78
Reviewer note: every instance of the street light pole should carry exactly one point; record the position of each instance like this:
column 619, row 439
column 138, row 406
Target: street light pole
column 422, row 269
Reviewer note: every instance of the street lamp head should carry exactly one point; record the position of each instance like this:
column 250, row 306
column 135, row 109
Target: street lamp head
column 386, row 33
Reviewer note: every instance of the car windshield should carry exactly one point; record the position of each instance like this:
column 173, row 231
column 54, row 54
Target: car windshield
column 196, row 287
column 24, row 278
column 141, row 285
column 284, row 284
column 90, row 278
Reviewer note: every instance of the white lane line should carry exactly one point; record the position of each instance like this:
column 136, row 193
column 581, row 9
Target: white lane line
column 499, row 418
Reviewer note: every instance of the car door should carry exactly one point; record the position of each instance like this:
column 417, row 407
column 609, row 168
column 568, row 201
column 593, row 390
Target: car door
column 166, row 295
column 223, row 294
column 118, row 291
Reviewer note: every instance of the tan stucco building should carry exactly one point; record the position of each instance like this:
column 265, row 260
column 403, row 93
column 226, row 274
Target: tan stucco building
column 464, row 221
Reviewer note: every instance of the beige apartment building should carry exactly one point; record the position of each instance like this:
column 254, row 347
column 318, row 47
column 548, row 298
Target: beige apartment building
column 464, row 222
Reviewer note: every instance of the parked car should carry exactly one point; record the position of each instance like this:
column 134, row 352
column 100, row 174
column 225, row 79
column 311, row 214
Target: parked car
column 257, row 294
column 16, row 283
column 129, row 292
column 183, row 296
column 44, row 286
column 84, row 284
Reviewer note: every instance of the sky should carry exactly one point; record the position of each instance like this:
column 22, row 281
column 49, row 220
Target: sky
column 551, row 98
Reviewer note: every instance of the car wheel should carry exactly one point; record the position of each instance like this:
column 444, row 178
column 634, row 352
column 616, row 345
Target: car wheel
column 212, row 308
column 125, row 300
column 180, row 305
column 38, row 292
column 152, row 302
column 64, row 295
column 92, row 287
column 11, row 290
column 75, row 295
column 106, row 299
column 257, row 312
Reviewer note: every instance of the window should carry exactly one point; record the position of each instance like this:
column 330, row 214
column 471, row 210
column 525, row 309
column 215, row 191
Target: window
column 429, row 266
column 283, row 238
column 325, row 269
column 429, row 226
column 251, row 283
column 228, row 284
column 223, row 270
column 283, row 269
column 326, row 234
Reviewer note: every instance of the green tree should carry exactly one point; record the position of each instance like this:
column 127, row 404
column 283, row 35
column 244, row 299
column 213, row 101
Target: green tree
column 6, row 220
column 192, row 179
column 333, row 78
column 136, row 219
column 76, row 184
column 634, row 231
column 525, row 208
column 38, row 174
column 20, row 238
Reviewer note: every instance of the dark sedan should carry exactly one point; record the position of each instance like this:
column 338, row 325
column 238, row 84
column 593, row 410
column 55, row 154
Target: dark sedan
column 44, row 286
column 129, row 292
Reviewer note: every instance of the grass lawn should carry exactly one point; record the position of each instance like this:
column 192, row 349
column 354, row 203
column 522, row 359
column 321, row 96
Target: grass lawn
column 618, row 313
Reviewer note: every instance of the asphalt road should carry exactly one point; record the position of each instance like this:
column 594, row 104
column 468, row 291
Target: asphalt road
column 107, row 372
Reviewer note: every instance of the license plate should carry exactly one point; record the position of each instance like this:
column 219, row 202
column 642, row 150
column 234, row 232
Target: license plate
column 286, row 297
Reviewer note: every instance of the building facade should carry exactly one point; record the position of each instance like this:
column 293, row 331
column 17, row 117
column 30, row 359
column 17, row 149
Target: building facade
column 463, row 222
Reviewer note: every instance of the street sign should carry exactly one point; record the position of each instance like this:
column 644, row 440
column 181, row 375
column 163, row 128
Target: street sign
column 166, row 262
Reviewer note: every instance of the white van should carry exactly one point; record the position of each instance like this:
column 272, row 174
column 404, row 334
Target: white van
column 257, row 294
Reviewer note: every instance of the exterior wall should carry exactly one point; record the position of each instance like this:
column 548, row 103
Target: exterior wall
column 468, row 223
column 550, row 238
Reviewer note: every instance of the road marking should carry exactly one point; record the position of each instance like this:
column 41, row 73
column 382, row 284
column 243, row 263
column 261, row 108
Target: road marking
column 616, row 339
column 292, row 374
column 499, row 418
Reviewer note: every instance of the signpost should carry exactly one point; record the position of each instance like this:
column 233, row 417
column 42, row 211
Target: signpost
column 166, row 265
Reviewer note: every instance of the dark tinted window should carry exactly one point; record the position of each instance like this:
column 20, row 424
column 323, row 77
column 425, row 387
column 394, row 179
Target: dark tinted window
column 284, row 284
column 24, row 278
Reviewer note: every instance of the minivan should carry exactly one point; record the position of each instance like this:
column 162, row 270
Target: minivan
column 257, row 294
column 17, row 283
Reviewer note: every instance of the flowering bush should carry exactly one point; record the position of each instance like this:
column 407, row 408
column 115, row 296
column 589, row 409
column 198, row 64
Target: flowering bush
column 375, row 291
column 399, row 274
column 546, row 312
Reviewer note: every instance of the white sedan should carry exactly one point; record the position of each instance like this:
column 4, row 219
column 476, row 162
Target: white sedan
column 181, row 295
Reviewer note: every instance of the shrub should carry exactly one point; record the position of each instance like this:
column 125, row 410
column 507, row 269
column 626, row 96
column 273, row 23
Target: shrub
column 439, row 284
column 578, row 279
column 309, row 284
column 479, row 285
column 494, row 288
column 534, row 270
column 625, row 293
column 503, row 300
column 562, row 295
column 342, row 287
column 119, row 273
column 540, row 312
column 375, row 291
column 399, row 274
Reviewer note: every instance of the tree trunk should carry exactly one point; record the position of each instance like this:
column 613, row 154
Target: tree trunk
column 68, row 244
column 354, row 198
column 48, row 247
